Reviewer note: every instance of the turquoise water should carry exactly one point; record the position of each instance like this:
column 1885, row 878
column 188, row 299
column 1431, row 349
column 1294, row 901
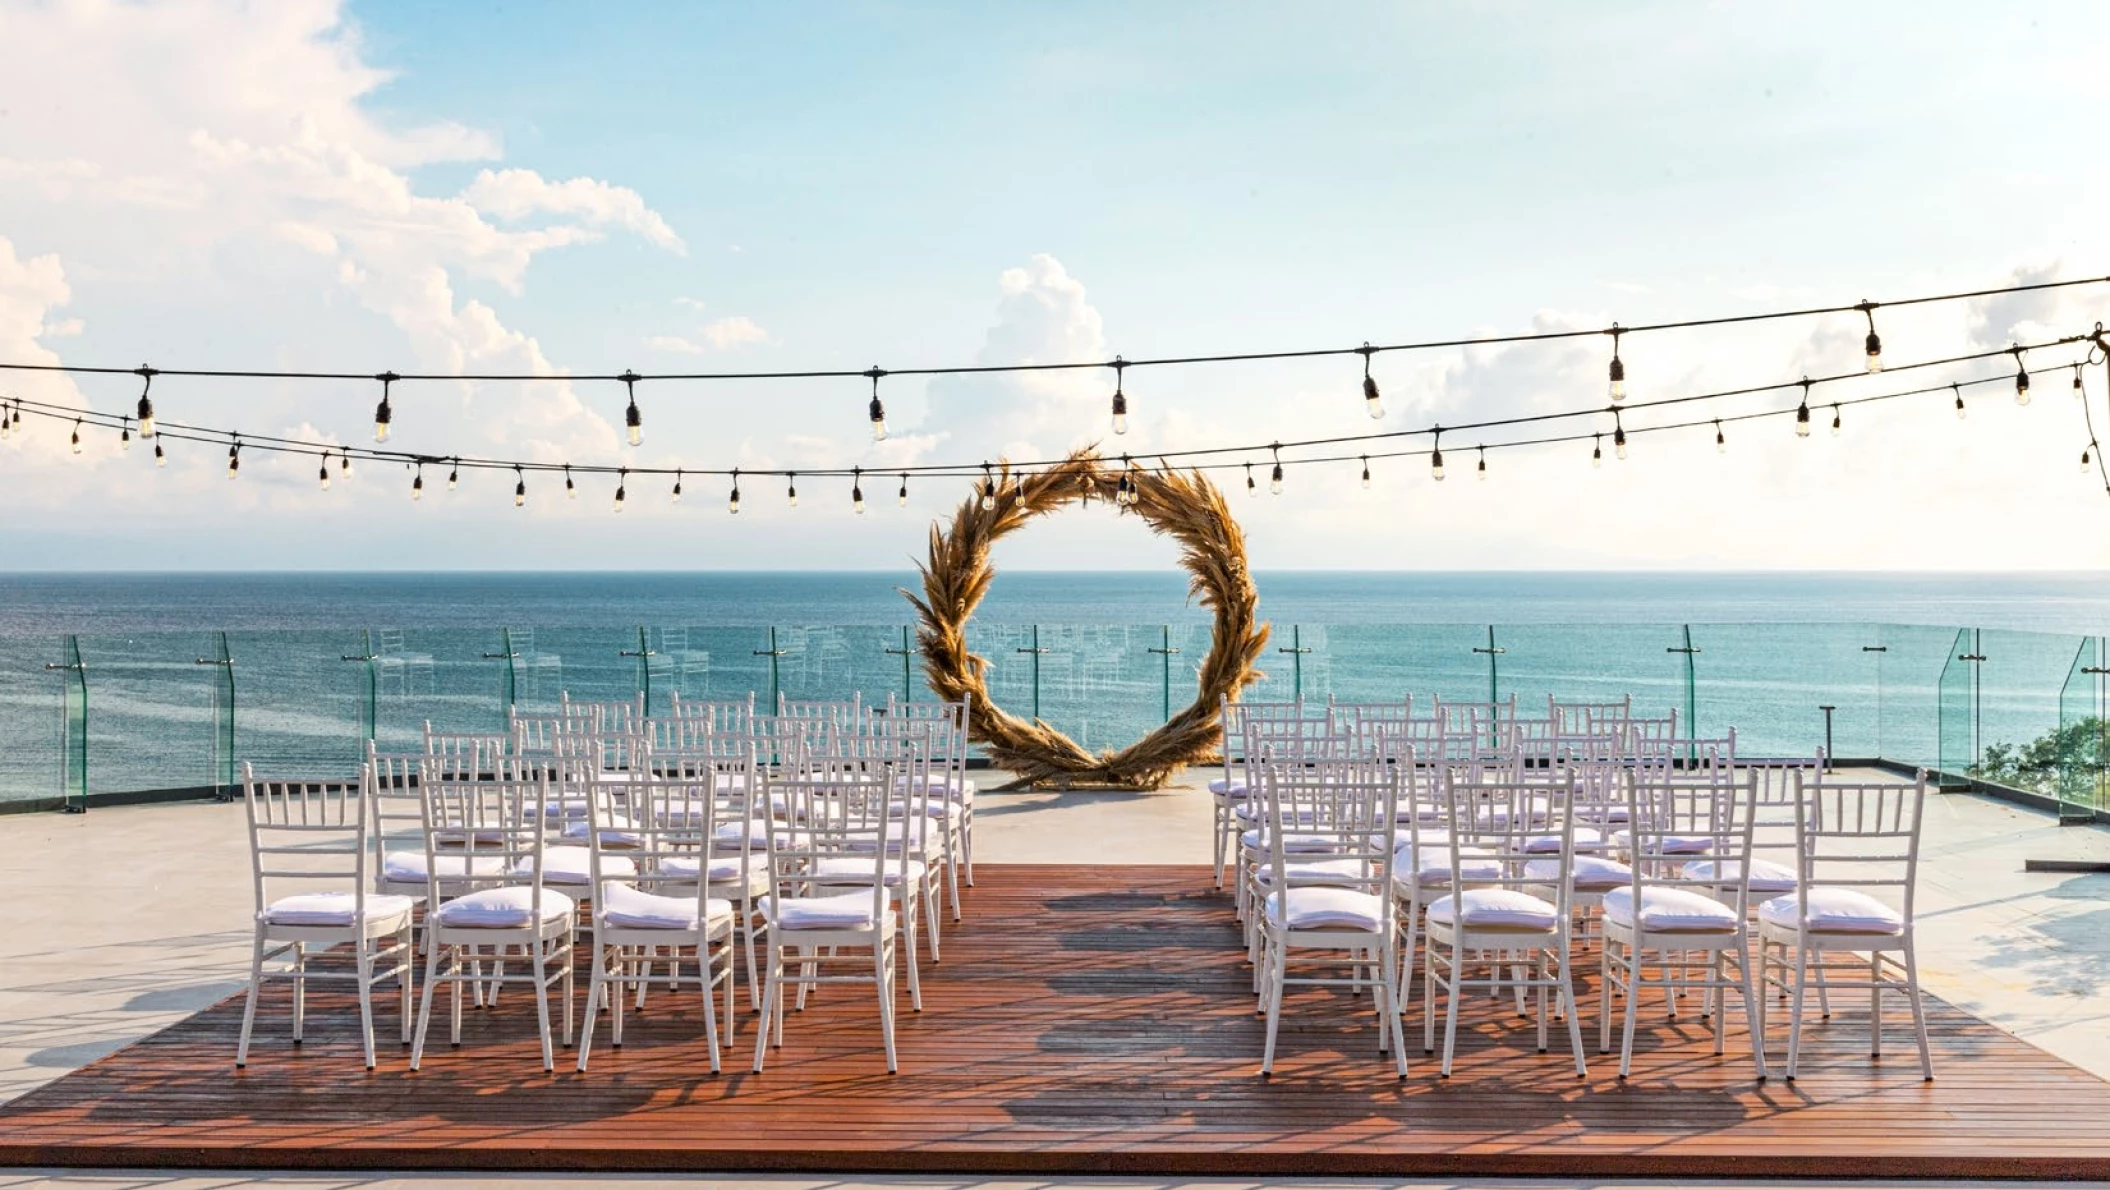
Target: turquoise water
column 324, row 660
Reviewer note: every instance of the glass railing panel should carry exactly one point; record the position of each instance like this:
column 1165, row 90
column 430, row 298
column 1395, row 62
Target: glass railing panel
column 1956, row 717
column 452, row 678
column 2020, row 681
column 603, row 664
column 1909, row 689
column 1770, row 681
column 151, row 723
column 835, row 662
column 1370, row 663
column 1594, row 663
column 31, row 717
column 705, row 663
column 1295, row 663
column 303, row 700
column 2084, row 727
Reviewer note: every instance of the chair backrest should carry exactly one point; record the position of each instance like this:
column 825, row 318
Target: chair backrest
column 1588, row 718
column 622, row 715
column 1347, row 809
column 1774, row 781
column 1674, row 823
column 839, row 713
column 1293, row 739
column 542, row 735
column 726, row 715
column 1860, row 834
column 1370, row 724
column 667, row 831
column 461, row 751
column 1642, row 731
column 307, row 835
column 1502, row 829
column 497, row 821
column 835, row 807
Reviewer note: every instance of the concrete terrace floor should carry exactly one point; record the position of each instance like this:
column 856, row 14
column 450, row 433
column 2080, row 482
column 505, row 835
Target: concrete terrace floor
column 126, row 920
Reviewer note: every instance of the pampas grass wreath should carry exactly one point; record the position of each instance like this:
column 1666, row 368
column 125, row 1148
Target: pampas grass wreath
column 1184, row 506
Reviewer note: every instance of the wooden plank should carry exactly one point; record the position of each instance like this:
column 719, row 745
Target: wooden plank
column 1083, row 1021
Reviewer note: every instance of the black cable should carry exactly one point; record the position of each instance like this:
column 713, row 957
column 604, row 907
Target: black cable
column 981, row 369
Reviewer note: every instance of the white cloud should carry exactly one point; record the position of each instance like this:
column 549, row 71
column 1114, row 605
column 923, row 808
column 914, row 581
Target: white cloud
column 519, row 193
column 721, row 335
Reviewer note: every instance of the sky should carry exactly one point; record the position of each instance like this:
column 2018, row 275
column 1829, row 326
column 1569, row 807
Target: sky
column 553, row 189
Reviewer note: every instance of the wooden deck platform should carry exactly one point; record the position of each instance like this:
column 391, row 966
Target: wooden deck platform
column 1082, row 1021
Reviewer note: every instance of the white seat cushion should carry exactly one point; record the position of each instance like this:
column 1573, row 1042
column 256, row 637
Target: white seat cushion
column 850, row 869
column 616, row 831
column 755, row 831
column 571, row 807
column 634, row 909
column 1766, row 876
column 1316, row 907
column 936, row 808
column 1835, row 911
column 1227, row 787
column 848, row 911
column 408, row 867
column 1670, row 911
column 1324, row 871
column 333, row 909
column 1435, row 864
column 1587, row 839
column 1256, row 840
column 1593, row 873
column 1668, row 844
column 569, row 864
column 511, row 907
column 1496, row 909
column 723, row 867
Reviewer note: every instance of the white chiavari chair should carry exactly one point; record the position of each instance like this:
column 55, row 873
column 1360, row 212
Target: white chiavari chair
column 952, row 791
column 1285, row 743
column 1229, row 791
column 498, row 816
column 1665, row 928
column 309, row 851
column 1515, row 920
column 836, row 803
column 1587, row 718
column 1851, row 916
column 730, row 716
column 1340, row 907
column 651, row 906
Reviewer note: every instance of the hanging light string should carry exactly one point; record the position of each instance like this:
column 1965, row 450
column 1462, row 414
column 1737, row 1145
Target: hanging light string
column 176, row 432
column 2098, row 352
column 630, row 377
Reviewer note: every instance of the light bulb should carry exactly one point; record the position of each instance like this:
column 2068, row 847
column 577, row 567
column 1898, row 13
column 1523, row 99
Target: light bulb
column 454, row 475
column 1481, row 469
column 1721, row 444
column 902, row 497
column 344, row 465
column 632, row 419
column 857, row 498
column 1436, row 464
column 1875, row 352
column 1371, row 404
column 675, row 498
column 146, row 414
column 2021, row 381
column 622, row 489
column 1597, row 451
column 322, row 475
column 124, row 437
column 1617, row 372
column 234, row 461
column 519, row 488
column 1251, row 488
column 571, row 492
column 1274, row 483
column 382, row 416
column 1366, row 471
column 878, row 421
column 1836, row 431
column 1802, row 420
column 1120, row 413
column 417, row 486
column 791, row 490
column 1619, row 442
column 1959, row 406
column 76, row 435
column 988, row 489
column 160, row 459
column 7, row 424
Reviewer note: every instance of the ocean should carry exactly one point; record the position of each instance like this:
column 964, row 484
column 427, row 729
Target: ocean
column 324, row 661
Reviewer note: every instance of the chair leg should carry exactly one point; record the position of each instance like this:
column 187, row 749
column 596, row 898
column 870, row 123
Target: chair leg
column 912, row 917
column 1631, row 971
column 1450, row 1015
column 256, row 981
column 365, row 963
column 1567, row 996
column 1754, row 1006
column 1875, row 1004
column 1802, row 970
column 1277, row 974
column 707, row 970
column 771, row 983
column 595, row 987
column 432, row 971
column 406, row 960
column 300, row 990
column 549, row 1054
column 1919, row 1009
column 883, row 972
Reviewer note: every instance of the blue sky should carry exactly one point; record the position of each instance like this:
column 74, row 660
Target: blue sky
column 690, row 187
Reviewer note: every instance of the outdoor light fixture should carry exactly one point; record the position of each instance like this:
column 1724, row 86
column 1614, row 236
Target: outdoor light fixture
column 878, row 410
column 1874, row 343
column 857, row 491
column 382, row 413
column 1371, row 403
column 1618, row 368
column 632, row 419
column 1120, row 398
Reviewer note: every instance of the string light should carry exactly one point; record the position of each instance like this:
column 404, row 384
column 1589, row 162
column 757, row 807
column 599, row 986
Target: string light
column 1251, row 488
column 454, row 474
column 1366, row 472
column 1618, row 435
column 1481, row 469
column 1874, row 344
column 2087, row 455
column 676, row 496
column 1802, row 412
column 519, row 487
column 234, row 458
column 146, row 404
column 622, row 487
column 1959, row 401
column 732, row 503
column 2021, row 378
column 124, row 435
column 571, row 492
column 857, row 491
column 417, row 485
column 988, row 489
column 1274, row 483
column 1721, row 444
column 1836, row 430
column 76, row 435
column 7, row 422
column 1436, row 457
column 2077, row 382
column 791, row 488
column 382, row 413
column 1618, row 368
column 344, row 465
column 878, row 410
column 160, row 459
column 322, row 474
column 1597, row 450
column 632, row 419
column 1371, row 403
column 901, row 497
column 1120, row 366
